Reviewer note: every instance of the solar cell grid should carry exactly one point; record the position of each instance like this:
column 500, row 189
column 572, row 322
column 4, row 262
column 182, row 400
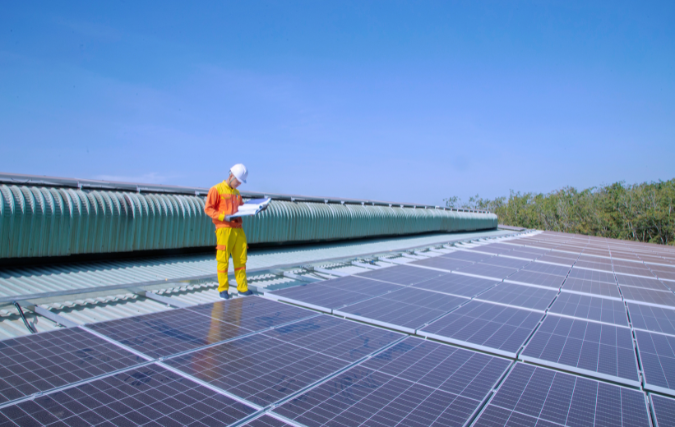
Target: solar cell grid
column 265, row 368
column 149, row 395
column 442, row 263
column 403, row 274
column 591, row 308
column 467, row 256
column 644, row 272
column 599, row 350
column 641, row 282
column 595, row 260
column 407, row 309
column 624, row 263
column 541, row 267
column 266, row 421
column 499, row 329
column 487, row 271
column 40, row 362
column 519, row 296
column 536, row 278
column 318, row 295
column 556, row 260
column 538, row 396
column 506, row 262
column 457, row 284
column 607, row 290
column 596, row 276
column 667, row 276
column 647, row 296
column 654, row 319
column 565, row 255
column 415, row 382
column 490, row 249
column 664, row 410
column 657, row 354
column 594, row 266
column 525, row 255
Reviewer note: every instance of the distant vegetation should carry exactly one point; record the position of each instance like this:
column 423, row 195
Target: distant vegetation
column 639, row 212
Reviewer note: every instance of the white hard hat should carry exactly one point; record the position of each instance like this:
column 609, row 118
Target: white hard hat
column 240, row 172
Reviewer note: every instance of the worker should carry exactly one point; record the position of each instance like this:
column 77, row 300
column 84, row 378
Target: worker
column 223, row 200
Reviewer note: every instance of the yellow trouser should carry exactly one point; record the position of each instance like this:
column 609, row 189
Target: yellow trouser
column 231, row 241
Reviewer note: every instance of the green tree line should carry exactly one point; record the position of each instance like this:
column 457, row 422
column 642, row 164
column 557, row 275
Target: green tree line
column 638, row 212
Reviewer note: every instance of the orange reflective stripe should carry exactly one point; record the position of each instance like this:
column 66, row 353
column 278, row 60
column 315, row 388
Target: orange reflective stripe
column 221, row 271
column 240, row 268
column 221, row 247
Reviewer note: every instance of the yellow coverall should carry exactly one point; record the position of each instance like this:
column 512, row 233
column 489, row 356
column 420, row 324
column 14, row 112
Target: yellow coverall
column 221, row 201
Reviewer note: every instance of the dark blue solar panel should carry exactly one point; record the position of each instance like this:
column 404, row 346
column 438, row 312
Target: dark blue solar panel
column 267, row 367
column 335, row 293
column 267, row 421
column 657, row 354
column 654, row 319
column 457, row 284
column 641, row 282
column 496, row 328
column 646, row 296
column 597, row 276
column 536, row 278
column 467, row 256
column 442, row 263
column 664, row 410
column 537, row 396
column 506, row 262
column 600, row 350
column 487, row 271
column 591, row 308
column 542, row 267
column 590, row 287
column 407, row 309
column 40, row 362
column 416, row 382
column 403, row 274
column 173, row 331
column 519, row 296
column 148, row 396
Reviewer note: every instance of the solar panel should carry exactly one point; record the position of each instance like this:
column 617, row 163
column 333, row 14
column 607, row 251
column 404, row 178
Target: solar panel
column 416, row 382
column 484, row 326
column 519, row 296
column 645, row 296
column 594, row 266
column 664, row 410
column 541, row 267
column 488, row 271
column 606, row 290
column 599, row 350
column 525, row 255
column 536, row 278
column 657, row 354
column 406, row 310
column 654, row 319
column 506, row 262
column 467, row 256
column 624, row 263
column 264, row 368
column 40, row 362
column 173, row 331
column 266, row 421
column 641, row 282
column 633, row 270
column 457, row 284
column 492, row 249
column 149, row 395
column 403, row 274
column 665, row 275
column 538, row 396
column 591, row 308
column 596, row 276
column 565, row 255
column 442, row 263
column 336, row 293
column 557, row 260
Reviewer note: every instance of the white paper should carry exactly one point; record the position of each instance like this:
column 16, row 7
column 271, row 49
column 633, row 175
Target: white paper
column 250, row 208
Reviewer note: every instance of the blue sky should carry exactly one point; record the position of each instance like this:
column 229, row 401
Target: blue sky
column 401, row 101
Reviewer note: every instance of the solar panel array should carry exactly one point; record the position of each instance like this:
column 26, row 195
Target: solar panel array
column 551, row 329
